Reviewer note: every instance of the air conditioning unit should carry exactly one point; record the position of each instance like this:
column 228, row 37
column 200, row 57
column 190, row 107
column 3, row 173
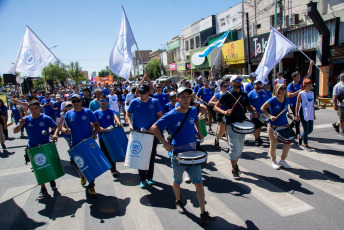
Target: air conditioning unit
column 253, row 29
column 294, row 19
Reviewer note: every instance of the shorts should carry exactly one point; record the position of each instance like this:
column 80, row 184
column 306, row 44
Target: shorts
column 195, row 172
column 341, row 113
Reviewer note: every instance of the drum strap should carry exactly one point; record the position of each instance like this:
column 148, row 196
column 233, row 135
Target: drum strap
column 236, row 100
column 175, row 133
column 281, row 108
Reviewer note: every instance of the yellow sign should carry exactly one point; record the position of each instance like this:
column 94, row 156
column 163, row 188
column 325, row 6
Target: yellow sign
column 233, row 53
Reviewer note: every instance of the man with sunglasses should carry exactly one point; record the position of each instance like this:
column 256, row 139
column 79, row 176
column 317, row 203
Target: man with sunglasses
column 48, row 104
column 79, row 125
column 173, row 101
column 235, row 112
column 94, row 105
column 106, row 118
column 146, row 111
column 161, row 97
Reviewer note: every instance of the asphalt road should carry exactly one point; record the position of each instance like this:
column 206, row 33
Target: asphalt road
column 308, row 196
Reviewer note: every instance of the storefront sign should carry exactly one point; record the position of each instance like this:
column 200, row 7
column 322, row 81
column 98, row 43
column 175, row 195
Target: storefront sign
column 173, row 66
column 202, row 63
column 188, row 66
column 233, row 53
column 257, row 47
column 173, row 45
column 181, row 66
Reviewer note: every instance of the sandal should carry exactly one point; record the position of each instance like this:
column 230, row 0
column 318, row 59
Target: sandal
column 217, row 144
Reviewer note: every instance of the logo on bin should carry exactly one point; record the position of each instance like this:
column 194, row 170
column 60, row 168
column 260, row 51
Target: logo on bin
column 135, row 147
column 92, row 146
column 79, row 161
column 40, row 159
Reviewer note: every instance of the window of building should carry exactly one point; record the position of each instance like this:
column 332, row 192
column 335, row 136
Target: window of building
column 198, row 42
column 187, row 45
column 192, row 45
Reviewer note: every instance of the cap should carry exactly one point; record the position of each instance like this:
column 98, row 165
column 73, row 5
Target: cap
column 58, row 96
column 200, row 78
column 235, row 77
column 144, row 87
column 182, row 90
column 341, row 75
column 173, row 94
column 256, row 81
column 253, row 74
column 66, row 95
column 68, row 103
column 76, row 96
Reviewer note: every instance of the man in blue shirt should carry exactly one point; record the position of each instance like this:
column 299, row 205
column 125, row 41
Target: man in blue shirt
column 199, row 84
column 37, row 128
column 106, row 118
column 257, row 98
column 106, row 91
column 173, row 100
column 79, row 125
column 48, row 104
column 161, row 97
column 184, row 140
column 293, row 89
column 146, row 111
column 249, row 86
column 205, row 94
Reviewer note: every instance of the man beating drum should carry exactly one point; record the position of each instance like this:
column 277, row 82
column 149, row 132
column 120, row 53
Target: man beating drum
column 78, row 124
column 184, row 140
column 37, row 127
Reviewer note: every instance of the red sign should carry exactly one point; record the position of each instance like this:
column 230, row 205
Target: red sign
column 173, row 66
column 188, row 65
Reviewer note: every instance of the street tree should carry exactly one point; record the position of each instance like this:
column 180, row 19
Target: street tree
column 154, row 69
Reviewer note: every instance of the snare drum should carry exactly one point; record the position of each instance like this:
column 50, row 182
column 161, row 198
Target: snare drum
column 89, row 158
column 244, row 127
column 191, row 158
column 284, row 134
column 263, row 119
column 45, row 162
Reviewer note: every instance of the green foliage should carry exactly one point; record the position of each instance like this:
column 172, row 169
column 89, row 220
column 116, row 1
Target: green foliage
column 54, row 71
column 154, row 69
column 76, row 72
column 103, row 73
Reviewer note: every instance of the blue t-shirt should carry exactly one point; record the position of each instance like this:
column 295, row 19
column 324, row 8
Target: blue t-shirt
column 197, row 87
column 218, row 95
column 269, row 93
column 105, row 118
column 205, row 94
column 4, row 111
column 48, row 110
column 169, row 107
column 144, row 114
column 79, row 123
column 185, row 139
column 40, row 98
column 292, row 87
column 35, row 127
column 163, row 99
column 106, row 91
column 15, row 112
column 123, row 96
column 258, row 99
column 275, row 108
column 248, row 88
column 58, row 105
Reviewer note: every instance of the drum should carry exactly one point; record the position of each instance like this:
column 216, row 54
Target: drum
column 116, row 143
column 191, row 158
column 244, row 127
column 89, row 158
column 284, row 134
column 139, row 150
column 203, row 127
column 45, row 162
column 263, row 119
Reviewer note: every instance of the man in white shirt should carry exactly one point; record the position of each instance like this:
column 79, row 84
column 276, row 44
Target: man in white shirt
column 114, row 103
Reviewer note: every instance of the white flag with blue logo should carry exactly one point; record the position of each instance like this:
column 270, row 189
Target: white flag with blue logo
column 33, row 56
column 277, row 47
column 218, row 43
column 121, row 59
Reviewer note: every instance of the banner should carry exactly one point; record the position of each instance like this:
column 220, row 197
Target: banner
column 218, row 43
column 233, row 53
column 121, row 59
column 104, row 80
column 33, row 56
column 278, row 46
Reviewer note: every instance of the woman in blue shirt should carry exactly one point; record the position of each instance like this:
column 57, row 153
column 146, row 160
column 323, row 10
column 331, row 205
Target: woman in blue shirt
column 278, row 106
column 4, row 110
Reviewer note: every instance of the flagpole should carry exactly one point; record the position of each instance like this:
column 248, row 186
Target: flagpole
column 50, row 52
column 307, row 57
column 137, row 47
column 215, row 60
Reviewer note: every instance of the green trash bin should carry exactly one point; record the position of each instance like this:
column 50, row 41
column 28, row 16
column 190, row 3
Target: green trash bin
column 203, row 128
column 45, row 162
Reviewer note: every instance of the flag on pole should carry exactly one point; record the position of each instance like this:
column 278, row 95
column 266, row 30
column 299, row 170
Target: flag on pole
column 277, row 47
column 218, row 43
column 33, row 55
column 121, row 59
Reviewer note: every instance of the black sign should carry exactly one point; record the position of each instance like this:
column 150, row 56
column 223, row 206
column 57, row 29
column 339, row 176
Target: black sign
column 257, row 47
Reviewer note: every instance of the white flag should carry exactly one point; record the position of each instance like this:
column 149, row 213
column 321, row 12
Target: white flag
column 278, row 46
column 121, row 59
column 33, row 56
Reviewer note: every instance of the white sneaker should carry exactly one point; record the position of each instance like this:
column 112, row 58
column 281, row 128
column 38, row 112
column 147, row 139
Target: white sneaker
column 284, row 164
column 275, row 165
column 187, row 178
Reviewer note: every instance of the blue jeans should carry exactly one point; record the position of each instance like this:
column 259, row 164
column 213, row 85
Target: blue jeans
column 236, row 143
column 307, row 128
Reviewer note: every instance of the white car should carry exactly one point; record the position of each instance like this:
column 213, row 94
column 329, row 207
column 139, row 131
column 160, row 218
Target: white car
column 245, row 78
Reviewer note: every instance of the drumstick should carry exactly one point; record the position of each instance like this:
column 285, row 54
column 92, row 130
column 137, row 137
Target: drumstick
column 236, row 102
column 281, row 112
column 62, row 116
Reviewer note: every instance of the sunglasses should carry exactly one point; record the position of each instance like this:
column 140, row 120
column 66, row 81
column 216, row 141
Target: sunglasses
column 76, row 101
column 103, row 100
column 142, row 92
column 69, row 106
column 158, row 87
column 283, row 88
column 238, row 80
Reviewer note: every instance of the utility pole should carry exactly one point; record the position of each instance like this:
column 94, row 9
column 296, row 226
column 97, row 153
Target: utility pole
column 248, row 44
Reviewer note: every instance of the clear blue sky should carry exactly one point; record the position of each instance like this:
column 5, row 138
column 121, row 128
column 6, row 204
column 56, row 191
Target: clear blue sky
column 85, row 30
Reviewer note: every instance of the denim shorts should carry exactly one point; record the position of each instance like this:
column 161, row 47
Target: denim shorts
column 195, row 172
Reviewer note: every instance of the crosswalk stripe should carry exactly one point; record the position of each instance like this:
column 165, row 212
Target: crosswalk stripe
column 10, row 211
column 69, row 189
column 8, row 172
column 137, row 216
column 213, row 203
column 319, row 181
column 278, row 200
